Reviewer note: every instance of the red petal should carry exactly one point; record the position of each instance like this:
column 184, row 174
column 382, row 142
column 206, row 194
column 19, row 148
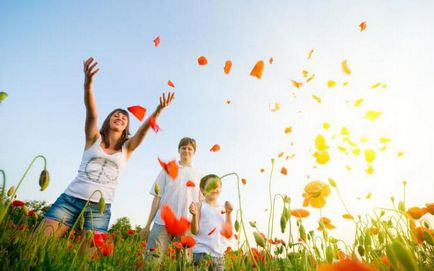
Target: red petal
column 212, row 231
column 157, row 41
column 138, row 111
column 215, row 148
column 170, row 83
column 190, row 183
column 154, row 125
column 226, row 230
column 172, row 169
column 228, row 66
column 258, row 69
column 244, row 181
column 202, row 60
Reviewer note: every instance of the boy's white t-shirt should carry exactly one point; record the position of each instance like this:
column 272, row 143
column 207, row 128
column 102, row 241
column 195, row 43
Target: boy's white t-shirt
column 211, row 218
column 176, row 193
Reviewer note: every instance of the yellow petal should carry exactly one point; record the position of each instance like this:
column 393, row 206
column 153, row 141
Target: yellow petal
column 342, row 148
column 305, row 73
column 358, row 102
column 280, row 154
column 369, row 195
column 363, row 139
column 276, row 107
column 384, row 139
column 325, row 125
column 322, row 157
column 344, row 84
column 372, row 115
column 376, row 85
column 369, row 169
column 310, row 78
column 297, row 84
column 331, row 83
column 288, row 130
column 356, row 151
column 348, row 168
column 345, row 131
column 320, row 143
column 383, row 148
column 345, row 67
column 317, row 202
column 400, row 154
column 369, row 155
column 310, row 54
column 316, row 98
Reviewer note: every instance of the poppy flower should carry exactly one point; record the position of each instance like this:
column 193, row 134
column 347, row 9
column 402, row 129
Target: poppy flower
column 416, row 212
column 130, row 232
column 258, row 69
column 171, row 168
column 190, row 183
column 17, row 203
column 174, row 226
column 315, row 193
column 154, row 125
column 214, row 148
column 300, row 213
column 202, row 60
column 347, row 216
column 170, row 83
column 227, row 67
column 137, row 111
column 430, row 208
column 157, row 41
column 188, row 241
column 226, row 230
column 178, row 245
column 107, row 248
column 212, row 231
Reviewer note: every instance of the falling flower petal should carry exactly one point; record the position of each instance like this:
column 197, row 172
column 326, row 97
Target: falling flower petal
column 227, row 67
column 138, row 111
column 280, row 154
column 325, row 125
column 271, row 60
column 345, row 67
column 399, row 154
column 369, row 169
column 3, row 96
column 202, row 60
column 310, row 78
column 297, row 84
column 358, row 102
column 347, row 216
column 190, row 183
column 345, row 131
column 212, row 231
column 171, row 168
column 214, row 148
column 305, row 73
column 300, row 213
column 154, row 125
column 309, row 55
column 322, row 157
column 170, row 84
column 344, row 84
column 384, row 140
column 258, row 69
column 288, row 130
column 276, row 107
column 284, row 171
column 243, row 181
column 331, row 83
column 372, row 115
column 174, row 226
column 316, row 98
column 376, row 85
column 320, row 143
column 228, row 101
column 362, row 26
column 369, row 155
column 226, row 230
column 157, row 41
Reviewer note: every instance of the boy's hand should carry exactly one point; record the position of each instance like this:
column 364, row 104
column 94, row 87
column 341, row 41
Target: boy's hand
column 228, row 207
column 194, row 208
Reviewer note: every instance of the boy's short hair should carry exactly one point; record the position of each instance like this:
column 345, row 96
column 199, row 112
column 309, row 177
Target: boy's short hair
column 205, row 179
column 187, row 141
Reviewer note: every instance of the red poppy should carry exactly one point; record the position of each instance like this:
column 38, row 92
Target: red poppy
column 188, row 241
column 138, row 111
column 154, row 125
column 157, row 41
column 130, row 231
column 212, row 231
column 170, row 84
column 190, row 183
column 171, row 168
column 107, row 248
column 226, row 230
column 202, row 60
column 215, row 148
column 178, row 245
column 143, row 243
column 17, row 203
column 174, row 226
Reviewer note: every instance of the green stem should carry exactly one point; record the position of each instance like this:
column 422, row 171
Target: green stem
column 4, row 184
column 271, row 201
column 241, row 215
column 3, row 212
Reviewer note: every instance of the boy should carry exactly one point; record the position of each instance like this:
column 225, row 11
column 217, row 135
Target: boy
column 209, row 222
column 175, row 193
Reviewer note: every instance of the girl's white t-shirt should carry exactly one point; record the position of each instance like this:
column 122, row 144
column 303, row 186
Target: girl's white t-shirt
column 211, row 220
column 98, row 171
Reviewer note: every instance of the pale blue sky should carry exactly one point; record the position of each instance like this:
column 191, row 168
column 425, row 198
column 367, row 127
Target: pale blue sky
column 42, row 45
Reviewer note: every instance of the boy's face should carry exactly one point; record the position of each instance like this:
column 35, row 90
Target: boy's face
column 186, row 153
column 215, row 193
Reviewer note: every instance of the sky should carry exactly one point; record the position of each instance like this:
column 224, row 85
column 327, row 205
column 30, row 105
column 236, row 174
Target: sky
column 43, row 44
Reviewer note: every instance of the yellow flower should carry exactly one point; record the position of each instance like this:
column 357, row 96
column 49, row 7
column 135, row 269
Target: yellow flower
column 315, row 193
column 325, row 222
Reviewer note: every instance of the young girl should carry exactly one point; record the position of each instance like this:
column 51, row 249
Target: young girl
column 105, row 155
column 207, row 223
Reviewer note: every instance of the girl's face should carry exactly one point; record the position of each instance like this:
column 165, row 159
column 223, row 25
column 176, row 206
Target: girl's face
column 186, row 153
column 214, row 194
column 118, row 121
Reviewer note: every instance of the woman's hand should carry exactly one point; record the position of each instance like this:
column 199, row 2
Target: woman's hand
column 89, row 69
column 164, row 102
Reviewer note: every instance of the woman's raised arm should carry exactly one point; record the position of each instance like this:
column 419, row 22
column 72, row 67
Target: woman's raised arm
column 90, row 127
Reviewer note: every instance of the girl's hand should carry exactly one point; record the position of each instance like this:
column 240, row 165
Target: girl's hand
column 228, row 207
column 89, row 69
column 164, row 102
column 194, row 208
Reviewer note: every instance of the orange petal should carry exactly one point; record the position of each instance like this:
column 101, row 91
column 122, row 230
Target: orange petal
column 170, row 84
column 271, row 60
column 258, row 69
column 190, row 183
column 228, row 66
column 297, row 84
column 362, row 26
column 157, row 41
column 284, row 171
column 202, row 60
column 215, row 148
column 244, row 181
column 138, row 111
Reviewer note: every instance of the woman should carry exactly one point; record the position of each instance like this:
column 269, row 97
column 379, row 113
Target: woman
column 105, row 155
